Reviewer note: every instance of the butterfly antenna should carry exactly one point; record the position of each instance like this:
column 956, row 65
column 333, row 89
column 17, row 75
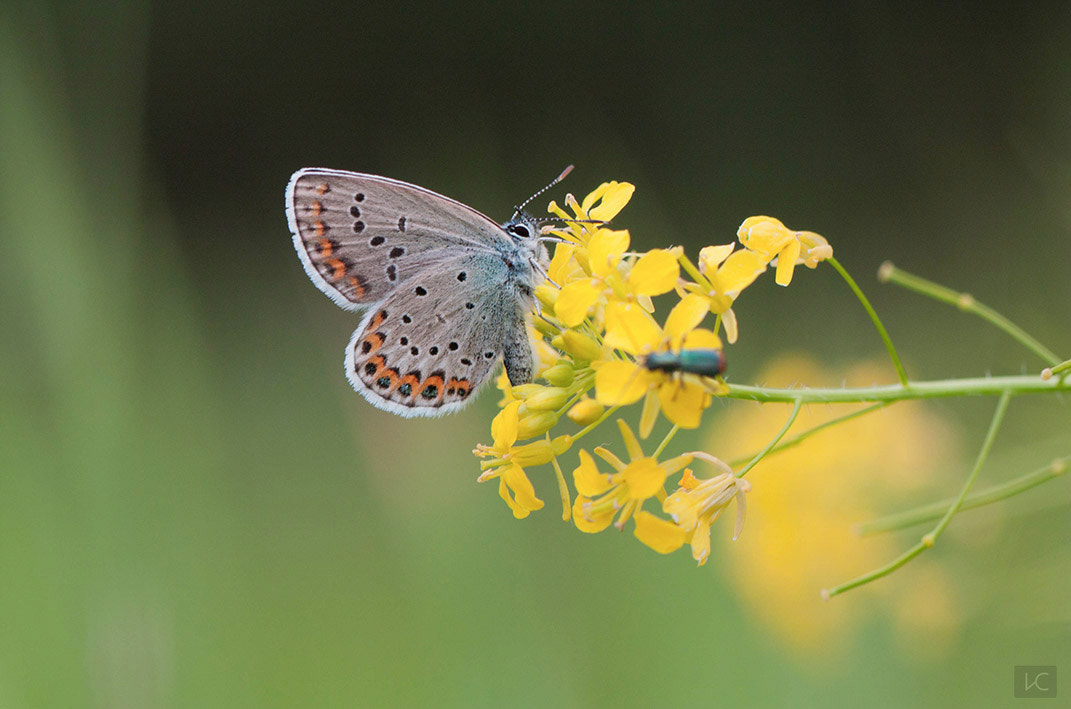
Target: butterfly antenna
column 556, row 180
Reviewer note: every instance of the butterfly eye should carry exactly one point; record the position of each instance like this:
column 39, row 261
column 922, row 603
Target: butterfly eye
column 520, row 230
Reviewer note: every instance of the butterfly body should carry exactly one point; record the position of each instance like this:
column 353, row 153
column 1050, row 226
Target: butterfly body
column 447, row 289
column 705, row 362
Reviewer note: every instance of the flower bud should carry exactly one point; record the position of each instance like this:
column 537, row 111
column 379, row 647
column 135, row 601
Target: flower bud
column 560, row 375
column 547, row 399
column 547, row 295
column 536, row 424
column 580, row 346
column 585, row 412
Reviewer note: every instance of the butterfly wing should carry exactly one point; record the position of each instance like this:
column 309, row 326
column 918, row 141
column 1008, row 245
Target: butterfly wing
column 361, row 236
column 430, row 345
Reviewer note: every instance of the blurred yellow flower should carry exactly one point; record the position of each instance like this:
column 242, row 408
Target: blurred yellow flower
column 772, row 239
column 807, row 497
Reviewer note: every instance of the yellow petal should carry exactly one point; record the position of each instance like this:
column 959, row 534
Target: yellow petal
column 605, row 250
column 786, row 262
column 591, row 521
column 591, row 198
column 523, row 500
column 655, row 273
column 710, row 257
column 701, row 542
column 614, row 199
column 684, row 317
column 619, row 383
column 765, row 235
column 562, row 266
column 738, row 272
column 575, row 300
column 649, row 413
column 632, row 446
column 587, row 478
column 630, row 328
column 644, row 477
column 700, row 339
column 728, row 321
column 662, row 536
column 683, row 403
column 504, row 426
column 682, row 508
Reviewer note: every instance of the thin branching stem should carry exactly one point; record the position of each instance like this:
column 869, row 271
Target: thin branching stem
column 996, row 493
column 769, row 446
column 900, row 373
column 800, row 438
column 889, row 273
column 930, row 539
column 978, row 386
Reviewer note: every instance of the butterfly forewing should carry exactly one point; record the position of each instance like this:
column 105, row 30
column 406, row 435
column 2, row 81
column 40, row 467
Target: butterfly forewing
column 362, row 236
column 424, row 351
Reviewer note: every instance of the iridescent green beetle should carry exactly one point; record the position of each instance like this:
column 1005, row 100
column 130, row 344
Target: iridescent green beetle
column 702, row 362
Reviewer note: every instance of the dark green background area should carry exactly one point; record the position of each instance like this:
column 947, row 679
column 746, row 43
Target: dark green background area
column 195, row 510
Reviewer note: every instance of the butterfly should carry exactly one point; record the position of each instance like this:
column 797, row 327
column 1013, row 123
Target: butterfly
column 448, row 291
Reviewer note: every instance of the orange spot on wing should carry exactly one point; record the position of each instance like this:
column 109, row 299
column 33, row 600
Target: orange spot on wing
column 379, row 362
column 412, row 381
column 377, row 320
column 319, row 227
column 436, row 381
column 460, row 387
column 316, row 208
column 374, row 342
column 358, row 289
column 323, row 188
column 339, row 268
column 324, row 247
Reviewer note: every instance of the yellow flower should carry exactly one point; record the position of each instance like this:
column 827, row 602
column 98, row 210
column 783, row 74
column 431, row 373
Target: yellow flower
column 603, row 496
column 807, row 498
column 727, row 274
column 772, row 239
column 698, row 502
column 603, row 204
column 621, row 382
column 655, row 272
column 507, row 460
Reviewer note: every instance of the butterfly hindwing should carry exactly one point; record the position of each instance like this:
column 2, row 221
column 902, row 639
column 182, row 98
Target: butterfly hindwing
column 362, row 236
column 427, row 348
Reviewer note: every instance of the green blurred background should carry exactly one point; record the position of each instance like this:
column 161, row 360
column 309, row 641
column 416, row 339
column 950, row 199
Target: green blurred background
column 196, row 510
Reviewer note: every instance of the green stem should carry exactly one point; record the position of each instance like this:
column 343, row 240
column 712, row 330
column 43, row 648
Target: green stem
column 769, row 446
column 994, row 426
column 1061, row 368
column 800, row 438
column 929, row 540
column 692, row 271
column 900, row 373
column 978, row 386
column 665, row 441
column 966, row 302
column 988, row 496
column 595, row 424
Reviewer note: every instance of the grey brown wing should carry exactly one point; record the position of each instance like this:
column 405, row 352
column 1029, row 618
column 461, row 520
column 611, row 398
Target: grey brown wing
column 427, row 348
column 361, row 236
